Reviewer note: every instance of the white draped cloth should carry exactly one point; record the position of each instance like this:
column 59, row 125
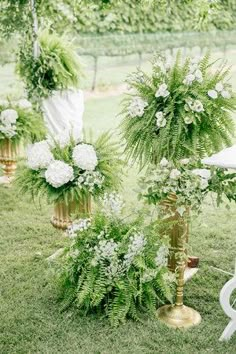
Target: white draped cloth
column 225, row 158
column 63, row 113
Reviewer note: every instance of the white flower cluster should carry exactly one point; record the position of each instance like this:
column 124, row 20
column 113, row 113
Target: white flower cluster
column 105, row 250
column 85, row 157
column 161, row 259
column 59, row 173
column 8, row 119
column 162, row 91
column 194, row 73
column 135, row 248
column 205, row 176
column 137, row 107
column 78, row 226
column 149, row 275
column 161, row 120
column 39, row 155
column 90, row 179
column 175, row 174
column 219, row 90
column 169, row 277
column 164, row 64
column 64, row 139
column 112, row 204
column 195, row 106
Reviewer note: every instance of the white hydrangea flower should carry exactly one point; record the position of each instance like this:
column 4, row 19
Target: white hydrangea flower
column 137, row 107
column 160, row 120
column 175, row 174
column 188, row 120
column 202, row 172
column 161, row 259
column 24, row 103
column 198, row 106
column 164, row 162
column 162, row 91
column 8, row 116
column 204, row 183
column 225, row 94
column 213, row 94
column 85, row 157
column 219, row 87
column 39, row 155
column 188, row 80
column 8, row 130
column 198, row 75
column 59, row 173
column 112, row 204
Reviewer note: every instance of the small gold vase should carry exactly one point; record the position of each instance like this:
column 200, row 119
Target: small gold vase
column 8, row 158
column 61, row 218
column 175, row 226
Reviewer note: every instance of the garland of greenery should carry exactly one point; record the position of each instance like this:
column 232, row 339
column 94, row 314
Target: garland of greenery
column 179, row 110
column 189, row 182
column 114, row 266
column 67, row 170
column 19, row 123
column 56, row 68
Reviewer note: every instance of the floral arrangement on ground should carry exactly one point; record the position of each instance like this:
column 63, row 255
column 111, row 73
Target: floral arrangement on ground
column 182, row 109
column 115, row 266
column 64, row 169
column 186, row 183
column 56, row 68
column 19, row 122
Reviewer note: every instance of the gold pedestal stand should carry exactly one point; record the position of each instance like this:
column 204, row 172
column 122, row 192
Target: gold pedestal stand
column 8, row 156
column 61, row 218
column 178, row 315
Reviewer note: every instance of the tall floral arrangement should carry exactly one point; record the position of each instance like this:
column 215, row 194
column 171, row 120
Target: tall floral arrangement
column 68, row 170
column 19, row 122
column 115, row 266
column 181, row 109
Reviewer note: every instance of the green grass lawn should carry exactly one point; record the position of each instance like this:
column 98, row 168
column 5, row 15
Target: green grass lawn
column 31, row 321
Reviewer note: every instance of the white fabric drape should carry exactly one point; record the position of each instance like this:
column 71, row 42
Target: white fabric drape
column 225, row 158
column 63, row 112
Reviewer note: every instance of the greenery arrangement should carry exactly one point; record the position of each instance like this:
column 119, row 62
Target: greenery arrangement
column 19, row 123
column 56, row 68
column 115, row 266
column 65, row 169
column 188, row 182
column 181, row 109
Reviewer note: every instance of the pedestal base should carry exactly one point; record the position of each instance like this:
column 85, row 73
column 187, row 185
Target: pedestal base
column 178, row 316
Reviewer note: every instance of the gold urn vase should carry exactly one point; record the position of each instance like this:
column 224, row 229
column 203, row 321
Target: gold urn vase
column 61, row 218
column 8, row 158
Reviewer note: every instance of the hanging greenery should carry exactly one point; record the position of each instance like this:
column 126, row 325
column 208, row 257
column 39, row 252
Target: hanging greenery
column 56, row 68
column 19, row 122
column 114, row 266
column 67, row 169
column 182, row 109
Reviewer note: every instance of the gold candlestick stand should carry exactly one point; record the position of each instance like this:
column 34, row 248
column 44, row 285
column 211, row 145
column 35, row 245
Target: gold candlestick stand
column 8, row 157
column 61, row 218
column 178, row 315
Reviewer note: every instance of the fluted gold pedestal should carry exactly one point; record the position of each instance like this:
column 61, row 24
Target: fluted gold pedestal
column 61, row 218
column 179, row 316
column 8, row 156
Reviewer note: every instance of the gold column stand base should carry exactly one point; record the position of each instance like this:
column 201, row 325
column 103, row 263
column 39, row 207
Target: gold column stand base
column 176, row 316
